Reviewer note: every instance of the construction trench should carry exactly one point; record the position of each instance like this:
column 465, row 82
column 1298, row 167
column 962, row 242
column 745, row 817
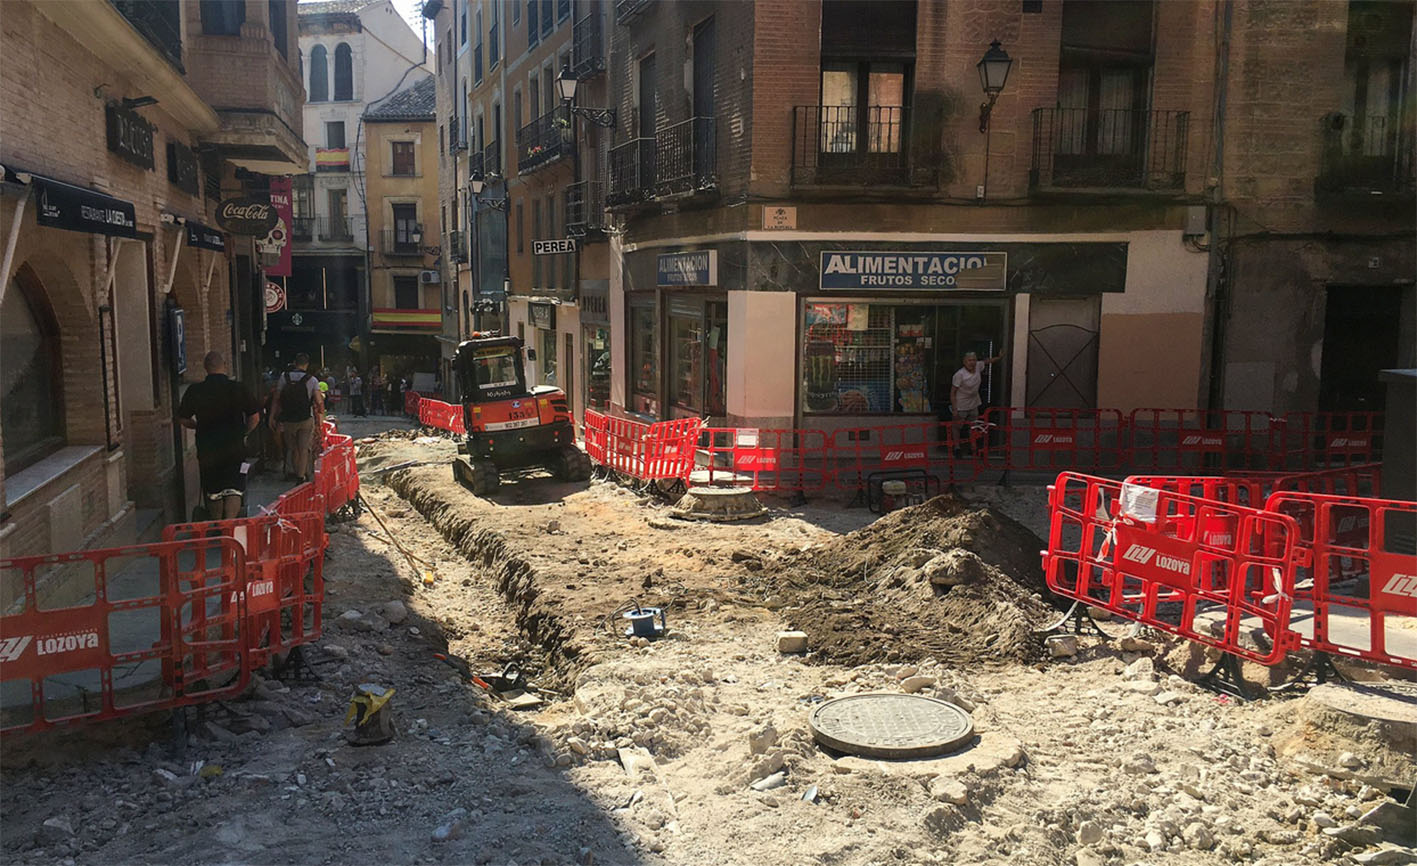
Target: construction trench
column 695, row 747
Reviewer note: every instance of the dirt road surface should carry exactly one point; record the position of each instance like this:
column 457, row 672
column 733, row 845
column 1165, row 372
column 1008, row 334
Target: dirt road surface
column 648, row 754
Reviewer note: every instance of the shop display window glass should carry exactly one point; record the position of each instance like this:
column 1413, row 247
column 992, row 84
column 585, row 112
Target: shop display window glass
column 548, row 356
column 644, row 368
column 686, row 370
column 597, row 352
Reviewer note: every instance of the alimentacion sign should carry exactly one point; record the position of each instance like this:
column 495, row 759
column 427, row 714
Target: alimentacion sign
column 913, row 270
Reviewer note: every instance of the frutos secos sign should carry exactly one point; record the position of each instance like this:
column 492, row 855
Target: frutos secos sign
column 913, row 270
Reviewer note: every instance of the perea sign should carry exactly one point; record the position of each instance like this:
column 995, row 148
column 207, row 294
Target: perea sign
column 246, row 216
column 913, row 270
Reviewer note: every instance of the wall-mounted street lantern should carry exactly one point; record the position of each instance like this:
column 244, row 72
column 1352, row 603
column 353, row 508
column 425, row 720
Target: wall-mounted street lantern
column 993, row 69
column 477, row 183
column 566, row 89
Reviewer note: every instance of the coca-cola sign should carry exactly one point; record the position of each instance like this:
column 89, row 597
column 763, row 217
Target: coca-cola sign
column 247, row 216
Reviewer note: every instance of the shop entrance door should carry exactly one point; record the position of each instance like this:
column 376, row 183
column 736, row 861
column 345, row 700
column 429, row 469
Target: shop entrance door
column 977, row 328
column 1062, row 352
column 1361, row 326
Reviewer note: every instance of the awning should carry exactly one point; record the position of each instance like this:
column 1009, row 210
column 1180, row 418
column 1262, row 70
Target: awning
column 62, row 205
column 199, row 234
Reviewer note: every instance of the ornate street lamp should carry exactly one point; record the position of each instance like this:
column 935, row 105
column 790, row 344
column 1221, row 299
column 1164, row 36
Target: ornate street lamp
column 993, row 69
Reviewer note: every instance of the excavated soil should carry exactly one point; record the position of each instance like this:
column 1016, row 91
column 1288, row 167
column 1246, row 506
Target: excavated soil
column 946, row 579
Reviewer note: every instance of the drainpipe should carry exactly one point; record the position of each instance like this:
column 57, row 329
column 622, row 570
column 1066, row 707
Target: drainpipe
column 1217, row 277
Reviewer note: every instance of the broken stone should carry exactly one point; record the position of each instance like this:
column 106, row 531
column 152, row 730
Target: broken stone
column 1142, row 687
column 1139, row 765
column 335, row 651
column 762, row 739
column 577, row 745
column 1324, row 820
column 1357, row 835
column 792, row 642
column 54, row 830
column 1135, row 645
column 1388, row 855
column 1397, row 822
column 1089, row 833
column 948, row 790
column 394, row 611
column 1198, row 836
column 767, row 783
column 1141, row 669
column 1062, row 645
column 1167, row 698
column 1349, row 761
column 744, row 555
column 911, row 685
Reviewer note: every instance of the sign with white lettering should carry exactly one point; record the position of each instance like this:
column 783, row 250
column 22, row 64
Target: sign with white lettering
column 697, row 268
column 129, row 135
column 247, row 216
column 553, row 247
column 913, row 271
column 65, row 206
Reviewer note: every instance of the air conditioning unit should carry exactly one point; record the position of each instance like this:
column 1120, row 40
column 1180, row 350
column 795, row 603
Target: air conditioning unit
column 426, row 277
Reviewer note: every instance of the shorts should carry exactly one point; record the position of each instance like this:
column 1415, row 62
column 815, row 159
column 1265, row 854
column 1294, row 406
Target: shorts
column 222, row 476
column 964, row 416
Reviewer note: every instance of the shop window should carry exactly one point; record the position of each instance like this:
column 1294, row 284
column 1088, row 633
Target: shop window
column 344, row 73
column 686, row 368
column 863, row 106
column 222, row 17
column 31, row 413
column 597, row 373
column 319, row 74
column 644, row 365
column 548, row 356
column 402, row 158
column 406, row 293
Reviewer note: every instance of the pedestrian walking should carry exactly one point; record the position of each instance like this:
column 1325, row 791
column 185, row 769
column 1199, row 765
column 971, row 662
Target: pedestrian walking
column 356, row 395
column 300, row 407
column 222, row 411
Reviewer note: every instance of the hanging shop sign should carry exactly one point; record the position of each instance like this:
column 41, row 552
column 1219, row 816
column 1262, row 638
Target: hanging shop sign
column 553, row 247
column 594, row 302
column 182, row 167
column 696, row 268
column 543, row 316
column 275, row 298
column 275, row 247
column 205, row 237
column 247, row 216
column 913, row 271
column 129, row 135
column 65, row 206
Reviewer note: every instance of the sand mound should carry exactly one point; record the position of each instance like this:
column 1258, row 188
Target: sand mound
column 946, row 579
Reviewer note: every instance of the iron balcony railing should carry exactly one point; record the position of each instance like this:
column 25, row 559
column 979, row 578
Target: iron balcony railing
column 585, row 208
column 457, row 139
column 1366, row 155
column 491, row 159
column 335, row 228
column 850, row 145
column 686, row 156
column 627, row 9
column 587, row 50
column 539, row 142
column 631, row 172
column 302, row 228
column 1109, row 148
column 160, row 23
column 457, row 247
column 401, row 243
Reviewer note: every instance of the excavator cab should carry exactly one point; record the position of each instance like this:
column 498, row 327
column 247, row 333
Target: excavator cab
column 509, row 426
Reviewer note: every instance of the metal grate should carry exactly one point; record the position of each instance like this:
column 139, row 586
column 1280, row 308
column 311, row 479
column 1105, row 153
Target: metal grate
column 850, row 144
column 686, row 156
column 1109, row 148
column 631, row 172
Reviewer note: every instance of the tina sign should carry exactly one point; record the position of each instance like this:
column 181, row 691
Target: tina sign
column 247, row 216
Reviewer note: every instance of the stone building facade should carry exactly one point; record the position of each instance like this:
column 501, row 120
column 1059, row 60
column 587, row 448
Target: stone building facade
column 126, row 124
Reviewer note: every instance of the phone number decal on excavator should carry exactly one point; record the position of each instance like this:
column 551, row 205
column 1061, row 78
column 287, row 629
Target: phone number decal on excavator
column 512, row 425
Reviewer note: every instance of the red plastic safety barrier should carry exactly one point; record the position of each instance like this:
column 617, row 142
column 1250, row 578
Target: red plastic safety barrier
column 775, row 461
column 1356, row 590
column 1181, row 440
column 940, row 450
column 661, row 451
column 1235, row 489
column 158, row 626
column 410, row 403
column 1328, row 439
column 1212, row 572
column 1057, row 439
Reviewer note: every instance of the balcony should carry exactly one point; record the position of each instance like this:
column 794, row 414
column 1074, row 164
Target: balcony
column 585, row 208
column 457, row 139
column 631, row 172
column 1365, row 156
column 848, row 145
column 457, row 247
column 1109, row 149
column 160, row 23
column 335, row 229
column 626, row 10
column 588, row 47
column 486, row 163
column 686, row 157
column 539, row 142
column 401, row 243
column 302, row 228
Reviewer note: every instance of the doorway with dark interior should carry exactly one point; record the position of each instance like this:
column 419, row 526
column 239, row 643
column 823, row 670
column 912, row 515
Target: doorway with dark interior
column 1361, row 336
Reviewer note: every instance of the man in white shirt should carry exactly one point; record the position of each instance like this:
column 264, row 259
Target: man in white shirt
column 964, row 393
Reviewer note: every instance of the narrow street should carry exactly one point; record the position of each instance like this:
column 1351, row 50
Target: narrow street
column 1101, row 757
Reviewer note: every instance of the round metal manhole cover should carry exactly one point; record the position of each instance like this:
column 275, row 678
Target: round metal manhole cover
column 891, row 725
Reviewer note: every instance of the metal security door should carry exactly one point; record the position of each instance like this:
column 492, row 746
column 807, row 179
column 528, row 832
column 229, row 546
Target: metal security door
column 1062, row 352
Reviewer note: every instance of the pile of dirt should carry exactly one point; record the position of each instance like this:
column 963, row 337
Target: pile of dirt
column 946, row 579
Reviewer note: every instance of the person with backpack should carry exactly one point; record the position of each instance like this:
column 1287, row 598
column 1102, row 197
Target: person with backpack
column 300, row 407
column 222, row 411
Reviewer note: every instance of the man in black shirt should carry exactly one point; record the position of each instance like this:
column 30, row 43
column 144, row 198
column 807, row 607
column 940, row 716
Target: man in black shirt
column 222, row 412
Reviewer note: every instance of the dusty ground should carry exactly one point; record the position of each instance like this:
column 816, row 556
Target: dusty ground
column 1101, row 758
